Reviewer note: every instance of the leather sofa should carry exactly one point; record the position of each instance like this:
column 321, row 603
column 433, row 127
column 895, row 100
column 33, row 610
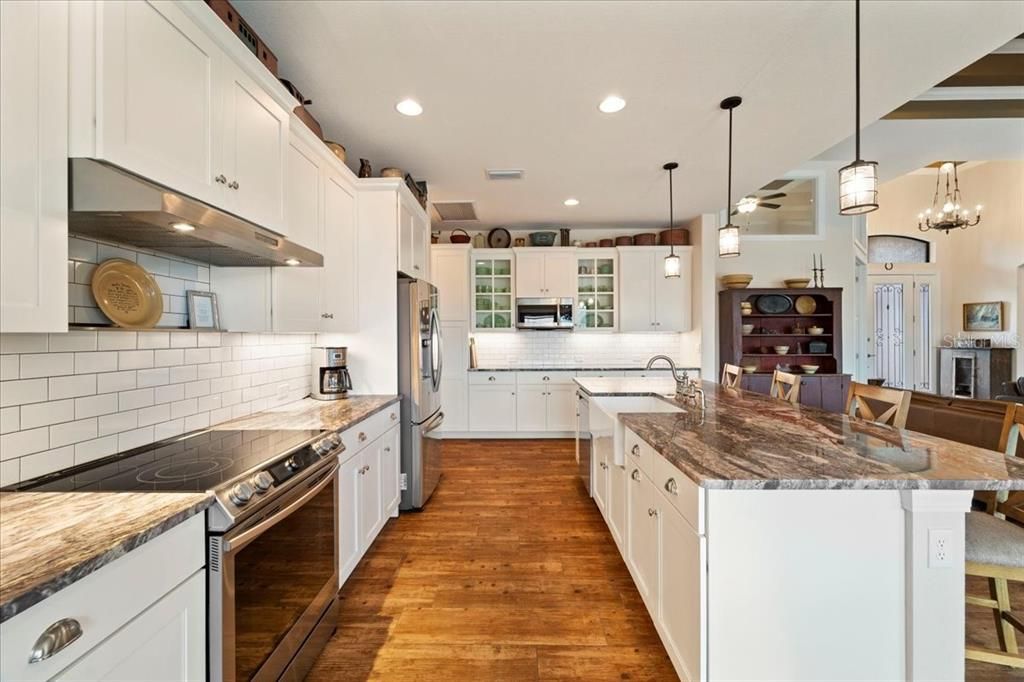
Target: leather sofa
column 1012, row 391
column 974, row 422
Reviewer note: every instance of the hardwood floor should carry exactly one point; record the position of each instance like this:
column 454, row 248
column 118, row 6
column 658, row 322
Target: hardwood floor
column 511, row 575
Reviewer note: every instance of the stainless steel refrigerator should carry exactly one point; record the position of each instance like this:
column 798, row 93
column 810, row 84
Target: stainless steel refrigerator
column 419, row 381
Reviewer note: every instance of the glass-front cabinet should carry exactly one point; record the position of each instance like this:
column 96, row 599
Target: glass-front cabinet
column 492, row 289
column 597, row 296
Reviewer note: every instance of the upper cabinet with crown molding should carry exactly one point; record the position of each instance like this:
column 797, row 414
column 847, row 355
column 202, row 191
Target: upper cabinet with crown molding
column 159, row 89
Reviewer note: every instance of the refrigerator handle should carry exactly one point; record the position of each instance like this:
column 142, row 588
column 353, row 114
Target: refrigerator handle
column 436, row 324
column 433, row 423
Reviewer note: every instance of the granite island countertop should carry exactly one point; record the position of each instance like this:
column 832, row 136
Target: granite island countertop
column 580, row 368
column 50, row 540
column 310, row 413
column 746, row 440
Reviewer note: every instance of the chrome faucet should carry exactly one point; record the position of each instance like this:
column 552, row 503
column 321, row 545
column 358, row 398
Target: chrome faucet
column 687, row 389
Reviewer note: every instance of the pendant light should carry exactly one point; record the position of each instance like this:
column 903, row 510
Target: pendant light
column 672, row 264
column 858, row 182
column 729, row 235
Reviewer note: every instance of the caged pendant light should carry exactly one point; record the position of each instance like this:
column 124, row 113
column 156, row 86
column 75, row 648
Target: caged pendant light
column 672, row 263
column 729, row 234
column 858, row 182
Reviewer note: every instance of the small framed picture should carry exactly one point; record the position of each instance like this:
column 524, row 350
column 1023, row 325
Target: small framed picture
column 983, row 317
column 202, row 310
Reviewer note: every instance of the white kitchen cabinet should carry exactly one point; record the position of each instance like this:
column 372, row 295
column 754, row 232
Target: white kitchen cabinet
column 493, row 277
column 648, row 301
column 682, row 591
column 561, row 406
column 350, row 485
column 304, row 192
column 454, row 375
column 449, row 270
column 546, row 401
column 492, row 404
column 413, row 236
column 532, row 408
column 155, row 93
column 545, row 272
column 616, row 503
column 371, row 505
column 33, row 166
column 167, row 641
column 642, row 536
column 391, row 471
column 599, row 483
column 597, row 290
column 339, row 278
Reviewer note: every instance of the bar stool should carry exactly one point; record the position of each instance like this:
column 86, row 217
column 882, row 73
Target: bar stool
column 731, row 376
column 995, row 550
column 897, row 400
column 785, row 386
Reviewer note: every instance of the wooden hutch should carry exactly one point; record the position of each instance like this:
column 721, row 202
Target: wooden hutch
column 827, row 387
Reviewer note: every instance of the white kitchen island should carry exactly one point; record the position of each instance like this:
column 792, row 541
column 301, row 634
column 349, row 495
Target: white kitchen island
column 773, row 542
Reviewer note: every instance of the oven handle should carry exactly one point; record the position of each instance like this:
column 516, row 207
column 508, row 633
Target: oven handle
column 236, row 543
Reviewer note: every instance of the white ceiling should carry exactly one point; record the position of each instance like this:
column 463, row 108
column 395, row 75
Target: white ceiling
column 516, row 85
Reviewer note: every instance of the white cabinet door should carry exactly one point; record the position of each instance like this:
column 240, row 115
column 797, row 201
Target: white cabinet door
column 455, row 402
column 561, row 407
column 350, row 484
column 532, row 408
column 530, row 274
column 681, row 593
column 371, row 508
column 339, row 283
column 296, row 296
column 420, row 248
column 449, row 271
column 616, row 503
column 255, row 151
column 405, row 237
column 492, row 408
column 159, row 97
column 560, row 274
column 672, row 298
column 390, row 470
column 641, row 536
column 166, row 642
column 303, row 194
column 599, row 484
column 636, row 298
column 33, row 166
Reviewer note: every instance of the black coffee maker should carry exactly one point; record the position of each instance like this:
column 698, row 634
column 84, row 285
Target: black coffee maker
column 330, row 377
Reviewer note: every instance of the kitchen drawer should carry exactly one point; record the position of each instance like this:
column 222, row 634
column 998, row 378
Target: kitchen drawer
column 103, row 601
column 364, row 432
column 563, row 378
column 599, row 373
column 492, row 378
column 638, row 453
column 685, row 495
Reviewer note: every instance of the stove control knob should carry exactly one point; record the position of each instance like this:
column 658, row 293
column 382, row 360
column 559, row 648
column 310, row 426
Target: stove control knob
column 241, row 493
column 292, row 464
column 323, row 446
column 335, row 439
column 262, row 481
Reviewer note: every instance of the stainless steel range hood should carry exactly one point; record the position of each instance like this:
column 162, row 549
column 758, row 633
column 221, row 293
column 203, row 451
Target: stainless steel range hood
column 111, row 204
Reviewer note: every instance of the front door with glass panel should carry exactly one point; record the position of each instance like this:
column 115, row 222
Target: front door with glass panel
column 902, row 345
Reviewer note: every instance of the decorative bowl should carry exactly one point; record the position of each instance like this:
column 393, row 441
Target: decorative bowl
column 736, row 281
column 815, row 331
column 809, row 369
column 392, row 173
column 781, row 350
column 543, row 238
column 749, row 369
column 797, row 283
column 748, row 328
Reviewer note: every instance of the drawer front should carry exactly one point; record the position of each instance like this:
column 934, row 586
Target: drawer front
column 104, row 601
column 362, row 433
column 638, row 453
column 681, row 492
column 492, row 378
column 561, row 378
column 600, row 373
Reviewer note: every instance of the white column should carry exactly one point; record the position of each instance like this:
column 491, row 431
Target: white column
column 934, row 594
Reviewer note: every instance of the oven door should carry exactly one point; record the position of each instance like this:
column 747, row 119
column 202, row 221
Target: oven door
column 273, row 583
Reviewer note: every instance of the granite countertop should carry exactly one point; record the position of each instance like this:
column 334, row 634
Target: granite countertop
column 50, row 540
column 310, row 413
column 747, row 440
column 527, row 368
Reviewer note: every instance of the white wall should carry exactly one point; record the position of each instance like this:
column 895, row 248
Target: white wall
column 976, row 264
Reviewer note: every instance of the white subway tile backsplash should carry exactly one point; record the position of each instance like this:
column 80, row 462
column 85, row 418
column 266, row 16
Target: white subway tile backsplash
column 153, row 377
column 184, row 340
column 88, row 450
column 26, row 442
column 111, row 382
column 10, row 472
column 154, row 265
column 168, row 357
column 90, row 316
column 83, row 274
column 106, row 251
column 72, row 432
column 38, row 365
column 10, row 367
column 184, row 270
column 44, row 414
column 95, row 405
column 168, row 394
column 80, row 295
column 72, row 387
column 81, row 249
column 195, row 356
column 194, row 389
column 116, row 340
column 209, row 402
column 133, row 439
column 203, row 273
column 154, row 414
column 72, row 341
column 104, row 361
column 208, row 339
column 22, row 391
column 131, row 400
column 117, row 422
column 184, row 373
column 197, row 421
column 154, row 340
column 210, row 370
column 10, row 419
column 184, row 408
column 23, row 343
column 170, row 285
column 168, row 429
column 43, row 463
column 135, row 359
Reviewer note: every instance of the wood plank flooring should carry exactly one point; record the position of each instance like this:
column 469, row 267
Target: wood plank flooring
column 511, row 575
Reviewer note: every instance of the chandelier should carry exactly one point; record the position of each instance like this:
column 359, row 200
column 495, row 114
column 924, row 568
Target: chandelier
column 948, row 215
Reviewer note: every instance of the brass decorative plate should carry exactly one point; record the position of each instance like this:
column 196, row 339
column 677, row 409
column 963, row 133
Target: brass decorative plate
column 127, row 294
column 806, row 305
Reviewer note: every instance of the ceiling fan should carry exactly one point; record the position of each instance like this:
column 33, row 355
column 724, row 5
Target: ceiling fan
column 750, row 203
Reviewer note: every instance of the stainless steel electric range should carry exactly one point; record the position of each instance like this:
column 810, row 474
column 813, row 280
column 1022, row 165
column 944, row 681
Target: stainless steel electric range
column 272, row 557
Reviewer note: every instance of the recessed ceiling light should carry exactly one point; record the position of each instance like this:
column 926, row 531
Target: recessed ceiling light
column 571, row 202
column 612, row 104
column 183, row 227
column 409, row 107
column 292, row 261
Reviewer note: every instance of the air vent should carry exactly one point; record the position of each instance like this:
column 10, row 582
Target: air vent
column 775, row 185
column 505, row 174
column 450, row 211
column 215, row 554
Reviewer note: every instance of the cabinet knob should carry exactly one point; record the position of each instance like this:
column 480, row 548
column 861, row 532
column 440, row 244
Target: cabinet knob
column 636, row 450
column 670, row 486
column 233, row 184
column 362, row 436
column 490, row 378
column 635, row 475
column 547, row 378
column 652, row 512
column 55, row 638
column 221, row 179
column 387, row 449
column 394, row 416
column 415, row 267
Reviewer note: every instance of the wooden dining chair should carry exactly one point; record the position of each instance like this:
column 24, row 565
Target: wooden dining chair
column 995, row 551
column 785, row 386
column 731, row 375
column 898, row 403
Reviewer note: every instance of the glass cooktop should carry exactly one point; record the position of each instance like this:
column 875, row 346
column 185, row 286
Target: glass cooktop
column 194, row 462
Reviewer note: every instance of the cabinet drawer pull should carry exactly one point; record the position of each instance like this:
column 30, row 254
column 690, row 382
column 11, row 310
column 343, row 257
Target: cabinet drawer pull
column 547, row 378
column 636, row 450
column 635, row 475
column 233, row 184
column 491, row 379
column 54, row 639
column 652, row 512
column 362, row 436
column 670, row 486
column 387, row 449
column 394, row 416
column 221, row 179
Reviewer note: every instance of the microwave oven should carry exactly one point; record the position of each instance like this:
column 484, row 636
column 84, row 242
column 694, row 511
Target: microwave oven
column 544, row 313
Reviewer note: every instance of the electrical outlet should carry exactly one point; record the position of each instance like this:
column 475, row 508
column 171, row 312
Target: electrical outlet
column 403, row 482
column 940, row 548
